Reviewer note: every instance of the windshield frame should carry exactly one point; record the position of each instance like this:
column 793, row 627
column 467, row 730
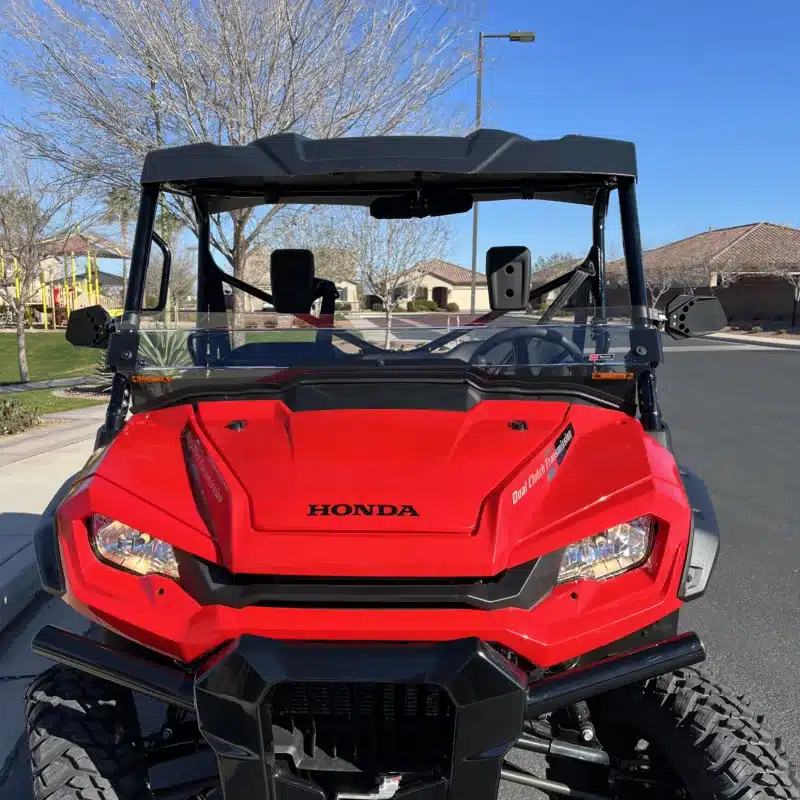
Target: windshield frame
column 595, row 191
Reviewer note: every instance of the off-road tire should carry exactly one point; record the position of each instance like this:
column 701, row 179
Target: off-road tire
column 84, row 739
column 707, row 732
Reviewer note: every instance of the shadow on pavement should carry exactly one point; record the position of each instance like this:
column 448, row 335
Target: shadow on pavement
column 16, row 533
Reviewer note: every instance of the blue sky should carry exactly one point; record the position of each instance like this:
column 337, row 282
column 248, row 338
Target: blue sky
column 707, row 90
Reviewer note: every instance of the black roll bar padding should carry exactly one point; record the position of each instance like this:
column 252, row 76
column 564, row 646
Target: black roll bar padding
column 581, row 683
column 226, row 277
column 632, row 245
column 162, row 682
column 548, row 287
column 576, row 279
column 166, row 269
column 599, row 215
column 140, row 253
column 210, row 297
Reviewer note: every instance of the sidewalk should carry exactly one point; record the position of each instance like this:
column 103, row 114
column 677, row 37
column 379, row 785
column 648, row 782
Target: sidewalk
column 55, row 383
column 33, row 466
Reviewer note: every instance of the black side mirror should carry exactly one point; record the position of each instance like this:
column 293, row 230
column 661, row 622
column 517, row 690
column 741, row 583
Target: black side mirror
column 688, row 315
column 508, row 272
column 89, row 327
column 292, row 281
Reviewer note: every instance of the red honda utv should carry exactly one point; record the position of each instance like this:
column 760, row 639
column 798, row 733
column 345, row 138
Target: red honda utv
column 491, row 599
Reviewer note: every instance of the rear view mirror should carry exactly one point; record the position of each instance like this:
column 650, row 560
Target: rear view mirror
column 688, row 315
column 89, row 327
column 430, row 204
column 508, row 272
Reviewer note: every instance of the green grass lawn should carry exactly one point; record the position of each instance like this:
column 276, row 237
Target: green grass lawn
column 49, row 356
column 46, row 402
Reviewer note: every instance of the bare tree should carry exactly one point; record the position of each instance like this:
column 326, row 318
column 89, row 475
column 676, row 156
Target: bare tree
column 182, row 276
column 120, row 210
column 390, row 254
column 112, row 79
column 35, row 211
column 660, row 279
column 554, row 261
column 791, row 274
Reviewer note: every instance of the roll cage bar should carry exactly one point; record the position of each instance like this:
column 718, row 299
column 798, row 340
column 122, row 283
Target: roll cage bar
column 286, row 166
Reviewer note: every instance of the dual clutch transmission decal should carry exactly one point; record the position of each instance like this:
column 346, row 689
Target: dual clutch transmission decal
column 548, row 465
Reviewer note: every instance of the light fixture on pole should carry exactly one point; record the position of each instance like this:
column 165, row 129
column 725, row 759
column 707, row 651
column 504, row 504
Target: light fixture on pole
column 514, row 36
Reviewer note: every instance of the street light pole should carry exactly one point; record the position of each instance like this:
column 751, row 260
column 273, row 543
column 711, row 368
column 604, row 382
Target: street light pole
column 514, row 36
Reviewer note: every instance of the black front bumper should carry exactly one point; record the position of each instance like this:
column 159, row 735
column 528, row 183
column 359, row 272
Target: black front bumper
column 444, row 715
column 266, row 698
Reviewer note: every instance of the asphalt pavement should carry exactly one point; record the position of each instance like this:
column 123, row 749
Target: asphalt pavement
column 733, row 410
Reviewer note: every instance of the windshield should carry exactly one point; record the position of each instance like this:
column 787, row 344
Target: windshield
column 273, row 354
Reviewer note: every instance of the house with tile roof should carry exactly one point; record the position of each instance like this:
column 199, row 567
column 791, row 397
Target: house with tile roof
column 754, row 270
column 446, row 283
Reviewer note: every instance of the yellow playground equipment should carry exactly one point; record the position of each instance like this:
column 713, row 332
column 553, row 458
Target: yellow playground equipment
column 65, row 287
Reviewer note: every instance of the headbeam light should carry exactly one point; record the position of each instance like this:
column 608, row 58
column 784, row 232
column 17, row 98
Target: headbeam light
column 125, row 547
column 610, row 553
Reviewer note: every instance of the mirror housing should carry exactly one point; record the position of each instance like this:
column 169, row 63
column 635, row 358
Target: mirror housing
column 508, row 273
column 291, row 275
column 690, row 315
column 429, row 204
column 89, row 327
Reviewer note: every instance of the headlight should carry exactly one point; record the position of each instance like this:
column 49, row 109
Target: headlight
column 609, row 553
column 132, row 550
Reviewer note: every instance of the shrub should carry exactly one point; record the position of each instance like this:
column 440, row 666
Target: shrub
column 423, row 305
column 782, row 331
column 453, row 308
column 377, row 307
column 15, row 418
column 343, row 307
column 756, row 329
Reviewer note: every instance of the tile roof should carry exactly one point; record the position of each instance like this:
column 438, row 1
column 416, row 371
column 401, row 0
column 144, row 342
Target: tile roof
column 80, row 244
column 452, row 273
column 760, row 247
column 540, row 276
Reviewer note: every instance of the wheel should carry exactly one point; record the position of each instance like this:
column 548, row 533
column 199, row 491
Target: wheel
column 682, row 735
column 84, row 739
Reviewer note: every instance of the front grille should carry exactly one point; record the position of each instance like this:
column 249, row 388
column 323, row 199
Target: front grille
column 373, row 726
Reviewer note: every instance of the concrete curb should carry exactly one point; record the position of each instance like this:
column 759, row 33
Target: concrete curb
column 56, row 383
column 19, row 584
column 765, row 341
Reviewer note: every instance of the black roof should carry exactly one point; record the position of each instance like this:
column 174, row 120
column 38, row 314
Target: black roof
column 492, row 164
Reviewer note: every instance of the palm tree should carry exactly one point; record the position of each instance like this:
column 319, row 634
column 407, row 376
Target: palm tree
column 120, row 209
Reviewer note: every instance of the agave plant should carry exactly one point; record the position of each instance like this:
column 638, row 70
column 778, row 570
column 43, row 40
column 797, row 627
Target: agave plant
column 164, row 349
column 102, row 376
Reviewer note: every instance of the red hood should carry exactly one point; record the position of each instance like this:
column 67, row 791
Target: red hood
column 361, row 465
column 491, row 487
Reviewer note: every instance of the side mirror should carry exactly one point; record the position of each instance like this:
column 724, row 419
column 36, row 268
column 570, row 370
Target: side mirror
column 508, row 273
column 292, row 281
column 688, row 315
column 89, row 327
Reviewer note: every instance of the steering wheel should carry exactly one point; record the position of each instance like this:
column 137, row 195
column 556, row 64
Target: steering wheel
column 518, row 335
